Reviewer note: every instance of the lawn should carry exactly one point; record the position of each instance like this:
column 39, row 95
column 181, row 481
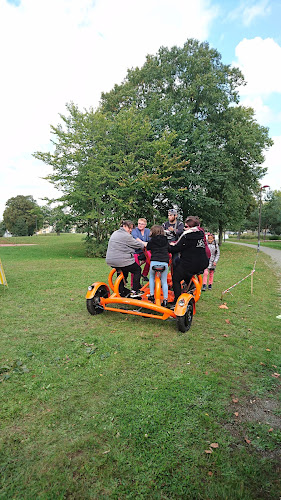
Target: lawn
column 267, row 243
column 121, row 407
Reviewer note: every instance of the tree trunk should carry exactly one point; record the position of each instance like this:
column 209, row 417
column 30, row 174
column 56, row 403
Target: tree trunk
column 220, row 232
column 239, row 234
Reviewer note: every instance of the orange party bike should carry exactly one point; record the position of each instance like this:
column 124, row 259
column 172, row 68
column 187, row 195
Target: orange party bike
column 102, row 297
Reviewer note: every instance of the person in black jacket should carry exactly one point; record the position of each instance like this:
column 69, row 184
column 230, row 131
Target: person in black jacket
column 158, row 245
column 193, row 257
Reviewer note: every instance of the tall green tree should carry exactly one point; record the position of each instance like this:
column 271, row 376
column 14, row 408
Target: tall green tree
column 190, row 91
column 271, row 213
column 22, row 216
column 112, row 166
column 2, row 228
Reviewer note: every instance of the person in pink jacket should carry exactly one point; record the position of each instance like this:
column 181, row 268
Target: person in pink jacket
column 215, row 255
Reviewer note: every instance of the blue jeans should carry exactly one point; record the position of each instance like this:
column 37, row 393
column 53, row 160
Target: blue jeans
column 164, row 275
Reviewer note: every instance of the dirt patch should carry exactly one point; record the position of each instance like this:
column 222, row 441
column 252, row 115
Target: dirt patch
column 258, row 410
column 255, row 411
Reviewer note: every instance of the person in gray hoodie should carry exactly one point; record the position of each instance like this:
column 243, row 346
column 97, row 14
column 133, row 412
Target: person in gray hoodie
column 120, row 254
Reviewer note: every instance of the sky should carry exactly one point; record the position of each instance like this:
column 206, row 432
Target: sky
column 53, row 52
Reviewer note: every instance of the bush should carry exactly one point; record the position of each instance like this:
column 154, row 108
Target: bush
column 248, row 237
column 273, row 237
column 95, row 248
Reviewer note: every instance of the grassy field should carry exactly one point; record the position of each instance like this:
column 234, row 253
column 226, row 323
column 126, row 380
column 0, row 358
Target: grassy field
column 268, row 243
column 120, row 407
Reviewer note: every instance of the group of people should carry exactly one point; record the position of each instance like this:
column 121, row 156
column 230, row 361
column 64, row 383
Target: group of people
column 191, row 254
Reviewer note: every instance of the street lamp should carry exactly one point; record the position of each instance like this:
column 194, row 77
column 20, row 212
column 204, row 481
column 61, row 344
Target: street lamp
column 259, row 228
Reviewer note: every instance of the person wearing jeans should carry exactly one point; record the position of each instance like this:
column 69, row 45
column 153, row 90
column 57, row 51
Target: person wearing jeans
column 158, row 245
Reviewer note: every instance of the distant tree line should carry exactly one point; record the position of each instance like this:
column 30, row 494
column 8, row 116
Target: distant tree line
column 23, row 217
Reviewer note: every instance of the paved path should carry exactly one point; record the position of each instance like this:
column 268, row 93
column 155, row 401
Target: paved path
column 273, row 252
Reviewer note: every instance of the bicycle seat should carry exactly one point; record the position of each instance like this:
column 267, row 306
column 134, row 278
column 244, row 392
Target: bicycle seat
column 159, row 268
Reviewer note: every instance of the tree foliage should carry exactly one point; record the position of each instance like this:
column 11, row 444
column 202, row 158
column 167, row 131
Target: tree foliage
column 189, row 91
column 22, row 216
column 2, row 228
column 172, row 133
column 271, row 213
column 110, row 167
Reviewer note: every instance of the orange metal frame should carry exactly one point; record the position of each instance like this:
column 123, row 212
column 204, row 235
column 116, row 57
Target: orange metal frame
column 143, row 303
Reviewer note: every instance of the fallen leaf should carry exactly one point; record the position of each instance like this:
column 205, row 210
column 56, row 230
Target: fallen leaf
column 271, row 429
column 274, row 366
column 225, row 335
column 223, row 306
column 268, row 350
column 104, row 452
column 227, row 321
column 261, row 363
column 208, row 451
column 213, row 338
column 214, row 445
column 236, row 414
column 250, row 347
column 247, row 441
column 206, row 373
column 210, row 473
column 275, row 375
column 235, row 400
column 249, row 330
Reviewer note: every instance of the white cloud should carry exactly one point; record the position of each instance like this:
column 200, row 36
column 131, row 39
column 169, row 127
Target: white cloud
column 273, row 163
column 260, row 62
column 263, row 113
column 248, row 11
column 53, row 52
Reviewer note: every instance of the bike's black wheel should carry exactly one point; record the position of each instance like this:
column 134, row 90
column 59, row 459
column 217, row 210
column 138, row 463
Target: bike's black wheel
column 93, row 304
column 184, row 322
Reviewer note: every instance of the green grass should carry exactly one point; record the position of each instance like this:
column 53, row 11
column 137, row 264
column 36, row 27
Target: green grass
column 267, row 243
column 121, row 407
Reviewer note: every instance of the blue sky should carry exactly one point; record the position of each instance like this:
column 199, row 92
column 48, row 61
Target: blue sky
column 57, row 51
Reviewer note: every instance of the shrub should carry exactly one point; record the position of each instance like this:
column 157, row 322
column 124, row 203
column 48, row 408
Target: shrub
column 273, row 237
column 95, row 248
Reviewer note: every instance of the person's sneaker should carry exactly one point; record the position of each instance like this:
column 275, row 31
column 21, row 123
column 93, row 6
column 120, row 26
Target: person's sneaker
column 126, row 292
column 135, row 295
column 145, row 278
column 210, row 287
column 204, row 287
column 150, row 298
column 165, row 303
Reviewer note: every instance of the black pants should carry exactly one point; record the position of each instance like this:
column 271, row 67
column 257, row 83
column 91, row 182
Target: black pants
column 180, row 273
column 136, row 271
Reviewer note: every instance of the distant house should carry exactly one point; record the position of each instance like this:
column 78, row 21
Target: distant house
column 46, row 230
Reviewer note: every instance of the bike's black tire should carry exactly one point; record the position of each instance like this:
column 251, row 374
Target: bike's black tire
column 184, row 322
column 93, row 304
